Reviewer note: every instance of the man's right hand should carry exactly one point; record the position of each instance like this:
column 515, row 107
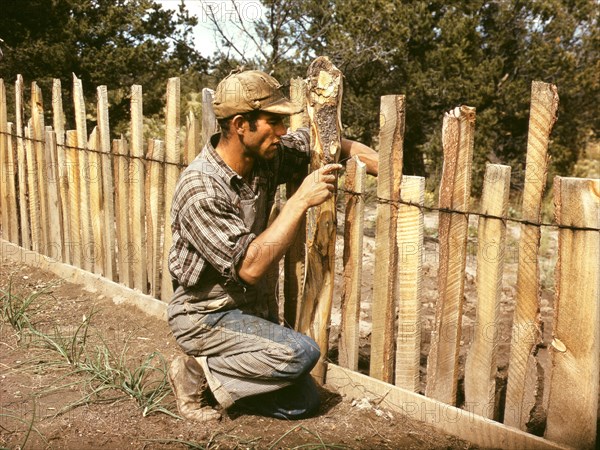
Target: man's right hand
column 318, row 186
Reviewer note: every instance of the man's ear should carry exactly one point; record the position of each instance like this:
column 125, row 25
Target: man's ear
column 238, row 124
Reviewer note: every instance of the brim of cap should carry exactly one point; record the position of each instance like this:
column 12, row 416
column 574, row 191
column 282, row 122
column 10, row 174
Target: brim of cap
column 283, row 107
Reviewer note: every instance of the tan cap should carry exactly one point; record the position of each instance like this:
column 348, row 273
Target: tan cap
column 251, row 90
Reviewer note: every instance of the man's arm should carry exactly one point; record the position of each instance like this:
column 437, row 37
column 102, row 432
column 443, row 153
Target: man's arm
column 366, row 154
column 271, row 244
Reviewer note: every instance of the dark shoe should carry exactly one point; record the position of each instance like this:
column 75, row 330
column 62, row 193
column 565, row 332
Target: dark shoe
column 189, row 386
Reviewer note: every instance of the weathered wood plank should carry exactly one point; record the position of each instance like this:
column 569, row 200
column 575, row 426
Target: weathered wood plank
column 192, row 144
column 137, row 178
column 22, row 166
column 575, row 356
column 324, row 101
column 410, row 255
column 58, row 118
column 120, row 151
column 32, row 192
column 457, row 140
column 293, row 264
column 385, row 278
column 356, row 174
column 154, row 214
column 461, row 423
column 108, row 205
column 56, row 245
column 87, row 238
column 209, row 120
column 74, row 200
column 521, row 395
column 6, row 169
column 95, row 187
column 36, row 131
column 172, row 158
column 11, row 147
column 481, row 366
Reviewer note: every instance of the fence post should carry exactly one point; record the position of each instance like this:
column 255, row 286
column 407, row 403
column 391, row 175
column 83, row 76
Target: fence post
column 36, row 131
column 481, row 366
column 138, row 181
column 74, row 200
column 63, row 170
column 95, row 186
column 385, row 279
column 55, row 226
column 192, row 138
column 356, row 173
column 155, row 214
column 209, row 121
column 32, row 191
column 22, row 166
column 120, row 151
column 410, row 255
column 521, row 395
column 457, row 140
column 87, row 239
column 12, row 192
column 4, row 176
column 575, row 355
column 293, row 264
column 108, row 205
column 172, row 158
column 324, row 101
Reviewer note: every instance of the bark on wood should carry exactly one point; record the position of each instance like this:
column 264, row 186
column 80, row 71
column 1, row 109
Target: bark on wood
column 63, row 170
column 521, row 396
column 575, row 349
column 296, row 254
column 324, row 101
column 22, row 166
column 155, row 214
column 122, row 183
column 74, row 200
column 37, row 134
column 356, row 173
column 209, row 121
column 95, row 187
column 108, row 206
column 481, row 367
column 385, row 279
column 457, row 140
column 137, row 177
column 172, row 157
column 410, row 254
column 56, row 244
column 87, row 239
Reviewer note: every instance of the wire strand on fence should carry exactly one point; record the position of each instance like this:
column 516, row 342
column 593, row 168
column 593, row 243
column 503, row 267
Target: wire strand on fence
column 339, row 189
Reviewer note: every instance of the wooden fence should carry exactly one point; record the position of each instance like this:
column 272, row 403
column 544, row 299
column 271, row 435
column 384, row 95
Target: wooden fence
column 102, row 205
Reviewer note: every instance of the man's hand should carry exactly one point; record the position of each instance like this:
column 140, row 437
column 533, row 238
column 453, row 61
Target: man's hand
column 318, row 186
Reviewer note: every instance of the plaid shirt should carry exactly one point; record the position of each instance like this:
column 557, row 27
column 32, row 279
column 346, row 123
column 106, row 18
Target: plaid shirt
column 209, row 234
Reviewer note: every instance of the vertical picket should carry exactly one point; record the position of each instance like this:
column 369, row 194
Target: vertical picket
column 12, row 180
column 154, row 214
column 56, row 244
column 73, row 172
column 22, row 167
column 32, row 188
column 95, row 189
column 120, row 152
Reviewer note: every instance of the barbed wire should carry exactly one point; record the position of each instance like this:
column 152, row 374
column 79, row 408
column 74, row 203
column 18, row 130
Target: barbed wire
column 378, row 199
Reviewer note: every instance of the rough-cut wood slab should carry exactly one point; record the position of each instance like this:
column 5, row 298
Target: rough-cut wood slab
column 137, row 178
column 385, row 278
column 22, row 166
column 154, row 214
column 56, row 243
column 108, row 204
column 293, row 265
column 410, row 255
column 33, row 193
column 172, row 157
column 522, row 395
column 122, row 182
column 11, row 146
column 481, row 367
column 87, row 238
column 95, row 187
column 73, row 176
column 6, row 169
column 575, row 356
column 356, row 174
column 36, row 131
column 324, row 101
column 463, row 424
column 209, row 121
column 457, row 140
column 192, row 144
column 58, row 119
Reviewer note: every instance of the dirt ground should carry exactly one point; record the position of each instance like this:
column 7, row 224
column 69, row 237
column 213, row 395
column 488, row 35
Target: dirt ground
column 47, row 402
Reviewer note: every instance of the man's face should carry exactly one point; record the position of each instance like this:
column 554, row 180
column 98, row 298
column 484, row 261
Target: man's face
column 262, row 143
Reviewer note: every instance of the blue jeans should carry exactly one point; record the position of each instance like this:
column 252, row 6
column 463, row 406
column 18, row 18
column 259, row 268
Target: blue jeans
column 252, row 362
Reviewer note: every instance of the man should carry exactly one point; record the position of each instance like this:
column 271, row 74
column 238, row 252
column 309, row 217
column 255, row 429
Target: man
column 222, row 248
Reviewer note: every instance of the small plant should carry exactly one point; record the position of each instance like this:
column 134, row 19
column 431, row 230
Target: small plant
column 14, row 309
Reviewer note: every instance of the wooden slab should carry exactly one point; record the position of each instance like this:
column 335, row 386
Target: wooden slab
column 56, row 245
column 74, row 200
column 58, row 120
column 155, row 214
column 120, row 151
column 575, row 349
column 209, row 121
column 22, row 166
column 36, row 131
